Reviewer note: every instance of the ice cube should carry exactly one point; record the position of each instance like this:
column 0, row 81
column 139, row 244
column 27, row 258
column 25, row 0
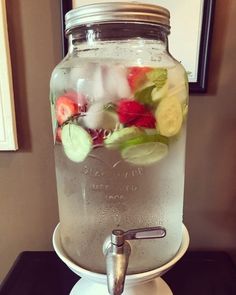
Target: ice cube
column 94, row 116
column 99, row 118
column 59, row 81
column 80, row 78
column 97, row 85
column 115, row 82
column 100, row 82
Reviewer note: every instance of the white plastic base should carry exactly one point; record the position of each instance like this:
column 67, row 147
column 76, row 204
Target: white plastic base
column 144, row 283
column 156, row 286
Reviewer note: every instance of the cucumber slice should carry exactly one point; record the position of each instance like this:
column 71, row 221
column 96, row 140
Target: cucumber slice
column 145, row 154
column 77, row 143
column 169, row 116
column 145, row 138
column 150, row 131
column 118, row 137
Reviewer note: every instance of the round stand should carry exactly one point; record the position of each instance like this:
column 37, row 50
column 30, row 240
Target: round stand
column 136, row 284
column 155, row 286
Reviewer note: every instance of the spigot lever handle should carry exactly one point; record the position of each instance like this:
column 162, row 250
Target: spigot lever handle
column 119, row 236
column 145, row 233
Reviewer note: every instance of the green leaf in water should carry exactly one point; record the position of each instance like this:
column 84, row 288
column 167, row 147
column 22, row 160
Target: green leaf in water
column 158, row 76
column 145, row 95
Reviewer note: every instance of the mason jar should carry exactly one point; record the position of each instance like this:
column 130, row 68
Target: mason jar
column 119, row 102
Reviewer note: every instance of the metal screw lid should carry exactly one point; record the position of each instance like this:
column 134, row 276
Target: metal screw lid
column 117, row 12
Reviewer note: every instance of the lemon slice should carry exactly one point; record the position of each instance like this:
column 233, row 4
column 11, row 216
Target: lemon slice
column 76, row 141
column 118, row 137
column 169, row 116
column 145, row 154
column 185, row 111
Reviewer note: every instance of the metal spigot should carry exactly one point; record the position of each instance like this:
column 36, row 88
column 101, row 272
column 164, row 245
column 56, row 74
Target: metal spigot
column 118, row 252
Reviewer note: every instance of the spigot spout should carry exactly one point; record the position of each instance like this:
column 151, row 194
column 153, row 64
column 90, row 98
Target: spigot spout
column 118, row 252
column 117, row 259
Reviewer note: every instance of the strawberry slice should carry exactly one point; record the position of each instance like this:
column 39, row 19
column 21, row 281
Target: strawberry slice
column 65, row 108
column 146, row 120
column 137, row 76
column 129, row 110
column 58, row 134
column 70, row 104
column 133, row 113
column 79, row 98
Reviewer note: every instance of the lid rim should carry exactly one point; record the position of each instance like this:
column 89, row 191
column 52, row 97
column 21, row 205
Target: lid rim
column 166, row 27
column 117, row 12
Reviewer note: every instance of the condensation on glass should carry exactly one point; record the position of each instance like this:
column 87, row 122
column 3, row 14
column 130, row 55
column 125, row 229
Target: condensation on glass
column 119, row 103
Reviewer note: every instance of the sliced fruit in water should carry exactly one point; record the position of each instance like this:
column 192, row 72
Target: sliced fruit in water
column 146, row 120
column 137, row 76
column 145, row 95
column 179, row 91
column 65, row 108
column 144, row 138
column 178, row 83
column 133, row 113
column 58, row 134
column 76, row 141
column 150, row 131
column 119, row 136
column 169, row 116
column 145, row 153
column 158, row 93
column 129, row 110
column 185, row 111
column 159, row 77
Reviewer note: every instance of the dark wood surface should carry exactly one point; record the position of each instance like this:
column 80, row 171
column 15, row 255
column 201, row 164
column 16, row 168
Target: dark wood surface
column 197, row 273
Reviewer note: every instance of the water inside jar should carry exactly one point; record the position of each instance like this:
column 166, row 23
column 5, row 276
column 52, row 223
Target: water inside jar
column 119, row 151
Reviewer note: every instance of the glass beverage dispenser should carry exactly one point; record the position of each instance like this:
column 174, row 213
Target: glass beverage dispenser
column 119, row 104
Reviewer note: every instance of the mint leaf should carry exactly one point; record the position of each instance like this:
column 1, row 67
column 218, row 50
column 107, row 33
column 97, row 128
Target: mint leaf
column 145, row 95
column 158, row 76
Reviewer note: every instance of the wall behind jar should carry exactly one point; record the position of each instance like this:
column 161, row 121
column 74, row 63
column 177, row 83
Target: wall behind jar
column 28, row 202
column 210, row 193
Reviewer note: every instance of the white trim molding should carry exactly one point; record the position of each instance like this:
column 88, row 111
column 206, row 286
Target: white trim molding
column 8, row 136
